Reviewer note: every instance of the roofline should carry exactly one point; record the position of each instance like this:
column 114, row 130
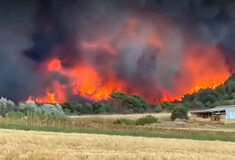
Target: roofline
column 219, row 108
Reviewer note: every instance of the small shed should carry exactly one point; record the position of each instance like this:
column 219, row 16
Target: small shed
column 223, row 114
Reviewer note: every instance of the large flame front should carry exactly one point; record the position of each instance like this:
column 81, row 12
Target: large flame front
column 85, row 81
column 199, row 67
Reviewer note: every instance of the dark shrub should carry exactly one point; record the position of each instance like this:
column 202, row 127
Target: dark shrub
column 149, row 119
column 100, row 108
column 179, row 112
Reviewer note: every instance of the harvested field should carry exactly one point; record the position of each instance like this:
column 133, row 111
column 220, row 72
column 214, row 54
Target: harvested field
column 45, row 145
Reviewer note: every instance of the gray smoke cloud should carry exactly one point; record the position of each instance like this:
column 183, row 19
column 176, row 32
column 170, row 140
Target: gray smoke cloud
column 34, row 31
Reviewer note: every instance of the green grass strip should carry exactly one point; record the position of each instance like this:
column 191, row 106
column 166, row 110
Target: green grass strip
column 161, row 133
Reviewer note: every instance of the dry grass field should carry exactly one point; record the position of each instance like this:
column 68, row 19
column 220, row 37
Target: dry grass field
column 22, row 145
column 162, row 116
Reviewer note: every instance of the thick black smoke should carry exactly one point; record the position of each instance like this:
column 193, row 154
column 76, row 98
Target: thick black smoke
column 34, row 31
column 48, row 32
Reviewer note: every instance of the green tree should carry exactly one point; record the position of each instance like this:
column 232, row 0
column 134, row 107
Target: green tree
column 118, row 96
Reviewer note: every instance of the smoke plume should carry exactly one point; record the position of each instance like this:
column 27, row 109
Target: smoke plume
column 58, row 50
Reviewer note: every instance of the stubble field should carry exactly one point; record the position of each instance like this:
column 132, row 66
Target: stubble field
column 68, row 146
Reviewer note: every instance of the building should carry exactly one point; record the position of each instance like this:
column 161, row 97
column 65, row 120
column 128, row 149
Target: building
column 222, row 114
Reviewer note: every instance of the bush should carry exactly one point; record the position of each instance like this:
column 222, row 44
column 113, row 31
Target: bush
column 179, row 112
column 76, row 108
column 98, row 108
column 149, row 119
column 47, row 109
column 44, row 113
column 50, row 109
column 136, row 103
column 6, row 106
column 28, row 107
column 123, row 121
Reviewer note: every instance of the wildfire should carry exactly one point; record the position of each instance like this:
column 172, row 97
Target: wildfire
column 207, row 70
column 49, row 98
column 56, row 94
column 200, row 69
column 88, row 83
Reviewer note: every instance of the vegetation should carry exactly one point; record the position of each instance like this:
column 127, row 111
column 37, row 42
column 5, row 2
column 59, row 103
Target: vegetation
column 88, row 108
column 52, row 117
column 6, row 106
column 32, row 112
column 124, row 121
column 204, row 98
column 149, row 119
column 71, row 126
column 209, row 98
column 145, row 120
column 32, row 116
column 132, row 103
column 48, row 117
column 179, row 112
column 118, row 103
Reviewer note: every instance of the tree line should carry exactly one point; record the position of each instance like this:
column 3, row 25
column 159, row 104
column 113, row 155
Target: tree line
column 120, row 102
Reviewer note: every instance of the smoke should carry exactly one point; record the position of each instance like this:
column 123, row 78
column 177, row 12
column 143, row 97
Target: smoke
column 146, row 44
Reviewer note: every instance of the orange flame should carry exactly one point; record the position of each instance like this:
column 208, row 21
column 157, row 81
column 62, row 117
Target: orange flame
column 205, row 68
column 54, row 65
column 88, row 83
